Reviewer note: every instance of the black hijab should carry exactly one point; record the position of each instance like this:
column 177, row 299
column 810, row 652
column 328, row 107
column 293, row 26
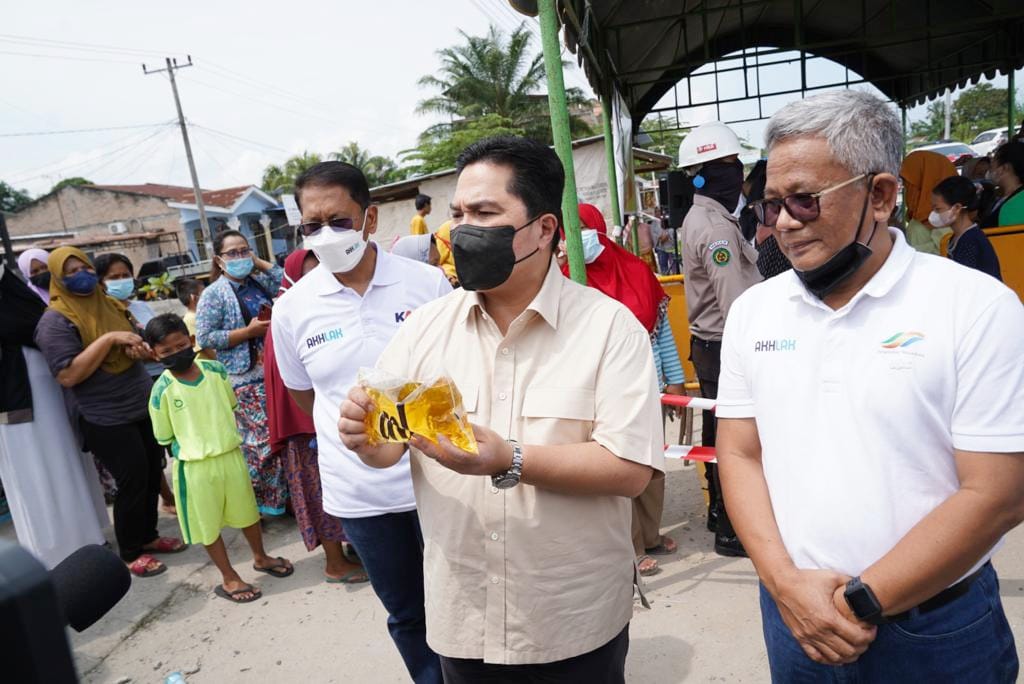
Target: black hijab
column 20, row 311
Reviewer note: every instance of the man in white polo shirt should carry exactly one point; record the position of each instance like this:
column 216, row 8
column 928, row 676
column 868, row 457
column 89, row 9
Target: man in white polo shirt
column 871, row 430
column 337, row 319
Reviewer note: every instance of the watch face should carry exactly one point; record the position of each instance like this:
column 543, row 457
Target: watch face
column 861, row 602
column 506, row 482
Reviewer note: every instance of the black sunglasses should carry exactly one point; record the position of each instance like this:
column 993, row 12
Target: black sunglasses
column 802, row 206
column 338, row 224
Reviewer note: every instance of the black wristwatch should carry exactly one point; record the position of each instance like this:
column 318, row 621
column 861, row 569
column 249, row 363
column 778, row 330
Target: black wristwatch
column 510, row 478
column 863, row 602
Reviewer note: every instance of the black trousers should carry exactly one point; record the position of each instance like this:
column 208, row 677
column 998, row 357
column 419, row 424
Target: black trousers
column 132, row 455
column 706, row 356
column 604, row 665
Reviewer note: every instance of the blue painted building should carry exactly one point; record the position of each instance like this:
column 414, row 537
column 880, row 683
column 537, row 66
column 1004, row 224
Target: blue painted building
column 245, row 208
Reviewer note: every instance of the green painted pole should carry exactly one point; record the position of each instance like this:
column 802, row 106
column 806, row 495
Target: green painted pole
column 563, row 138
column 609, row 154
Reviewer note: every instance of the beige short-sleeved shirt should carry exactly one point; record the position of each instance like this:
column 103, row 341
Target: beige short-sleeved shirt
column 718, row 265
column 526, row 575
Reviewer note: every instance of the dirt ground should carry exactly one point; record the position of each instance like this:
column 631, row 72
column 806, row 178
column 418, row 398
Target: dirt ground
column 704, row 624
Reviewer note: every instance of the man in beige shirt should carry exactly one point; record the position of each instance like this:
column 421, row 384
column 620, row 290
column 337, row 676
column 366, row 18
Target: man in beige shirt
column 528, row 559
column 718, row 266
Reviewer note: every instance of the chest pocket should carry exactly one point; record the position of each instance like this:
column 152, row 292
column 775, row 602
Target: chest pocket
column 558, row 415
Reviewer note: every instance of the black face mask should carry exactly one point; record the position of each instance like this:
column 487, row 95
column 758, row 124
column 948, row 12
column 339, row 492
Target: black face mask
column 484, row 257
column 723, row 182
column 824, row 279
column 41, row 280
column 181, row 361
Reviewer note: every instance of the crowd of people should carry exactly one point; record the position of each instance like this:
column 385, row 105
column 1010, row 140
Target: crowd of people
column 868, row 425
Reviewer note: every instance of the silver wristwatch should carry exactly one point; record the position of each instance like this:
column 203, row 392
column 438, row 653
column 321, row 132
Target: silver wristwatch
column 510, row 478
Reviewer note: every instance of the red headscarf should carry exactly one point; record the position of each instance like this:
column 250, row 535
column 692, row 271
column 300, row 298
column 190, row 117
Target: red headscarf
column 284, row 416
column 620, row 275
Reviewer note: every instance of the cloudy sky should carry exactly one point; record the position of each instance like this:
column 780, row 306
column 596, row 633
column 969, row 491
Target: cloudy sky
column 270, row 80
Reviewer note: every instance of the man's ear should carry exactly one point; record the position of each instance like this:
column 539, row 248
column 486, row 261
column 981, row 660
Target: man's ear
column 549, row 229
column 371, row 221
column 883, row 196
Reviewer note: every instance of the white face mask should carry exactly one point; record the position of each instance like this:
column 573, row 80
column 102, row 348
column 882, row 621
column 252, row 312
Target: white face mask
column 941, row 220
column 592, row 246
column 339, row 251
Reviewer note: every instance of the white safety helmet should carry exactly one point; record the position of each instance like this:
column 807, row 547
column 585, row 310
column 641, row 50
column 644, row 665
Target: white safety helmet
column 706, row 143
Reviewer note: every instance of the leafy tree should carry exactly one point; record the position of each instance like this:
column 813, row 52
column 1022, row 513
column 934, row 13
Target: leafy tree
column 932, row 126
column 77, row 180
column 11, row 199
column 665, row 135
column 281, row 178
column 495, row 75
column 975, row 110
column 379, row 170
column 438, row 149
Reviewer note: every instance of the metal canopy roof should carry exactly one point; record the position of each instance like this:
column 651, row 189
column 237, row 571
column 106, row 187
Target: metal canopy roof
column 910, row 50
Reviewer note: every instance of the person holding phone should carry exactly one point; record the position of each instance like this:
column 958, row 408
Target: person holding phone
column 229, row 321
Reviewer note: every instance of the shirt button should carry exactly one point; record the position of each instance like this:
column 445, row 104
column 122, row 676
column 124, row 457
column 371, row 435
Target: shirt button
column 494, row 536
column 504, row 351
column 494, row 580
column 502, row 396
column 494, row 490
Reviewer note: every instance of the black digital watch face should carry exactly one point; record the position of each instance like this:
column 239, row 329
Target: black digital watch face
column 861, row 601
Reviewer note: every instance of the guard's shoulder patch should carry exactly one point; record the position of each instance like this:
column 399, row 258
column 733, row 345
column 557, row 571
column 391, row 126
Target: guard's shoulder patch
column 716, row 244
column 721, row 256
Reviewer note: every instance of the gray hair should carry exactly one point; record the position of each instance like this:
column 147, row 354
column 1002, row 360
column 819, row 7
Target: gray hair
column 862, row 130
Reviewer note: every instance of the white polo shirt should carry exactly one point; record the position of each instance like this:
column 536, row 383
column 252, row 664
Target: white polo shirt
column 324, row 333
column 859, row 410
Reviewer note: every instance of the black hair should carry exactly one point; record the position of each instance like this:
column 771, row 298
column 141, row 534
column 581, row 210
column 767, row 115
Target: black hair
column 1011, row 154
column 958, row 190
column 335, row 174
column 185, row 288
column 159, row 327
column 537, row 174
column 218, row 246
column 422, row 201
column 103, row 262
column 987, row 197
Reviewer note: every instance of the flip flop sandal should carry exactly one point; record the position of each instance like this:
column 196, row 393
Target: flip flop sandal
column 219, row 590
column 168, row 545
column 140, row 567
column 278, row 570
column 350, row 577
column 649, row 571
column 661, row 549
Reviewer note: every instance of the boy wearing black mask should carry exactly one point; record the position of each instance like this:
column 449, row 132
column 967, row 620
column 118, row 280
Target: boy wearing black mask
column 718, row 265
column 192, row 410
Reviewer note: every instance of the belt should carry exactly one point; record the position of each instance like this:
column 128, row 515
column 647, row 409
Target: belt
column 706, row 344
column 943, row 598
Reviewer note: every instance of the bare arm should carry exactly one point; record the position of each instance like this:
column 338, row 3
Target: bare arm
column 805, row 598
column 89, row 359
column 947, row 542
column 304, row 398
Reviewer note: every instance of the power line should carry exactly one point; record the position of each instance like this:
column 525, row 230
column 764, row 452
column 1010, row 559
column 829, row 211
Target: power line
column 68, row 57
column 68, row 131
column 235, row 137
column 76, row 45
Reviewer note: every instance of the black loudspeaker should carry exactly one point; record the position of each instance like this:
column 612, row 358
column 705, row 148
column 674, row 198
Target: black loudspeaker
column 679, row 194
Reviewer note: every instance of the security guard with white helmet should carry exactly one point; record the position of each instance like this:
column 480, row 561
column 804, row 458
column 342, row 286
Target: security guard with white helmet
column 718, row 265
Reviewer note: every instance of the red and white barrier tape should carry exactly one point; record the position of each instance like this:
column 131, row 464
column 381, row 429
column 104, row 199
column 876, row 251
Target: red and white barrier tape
column 683, row 451
column 685, row 401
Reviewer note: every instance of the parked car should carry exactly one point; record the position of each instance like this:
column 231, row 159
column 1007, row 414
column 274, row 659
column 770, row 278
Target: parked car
column 956, row 152
column 987, row 141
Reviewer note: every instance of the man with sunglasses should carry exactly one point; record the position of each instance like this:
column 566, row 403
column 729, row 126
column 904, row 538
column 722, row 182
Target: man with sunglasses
column 336, row 319
column 871, row 437
column 718, row 265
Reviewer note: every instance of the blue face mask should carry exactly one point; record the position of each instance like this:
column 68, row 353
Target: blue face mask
column 592, row 246
column 81, row 283
column 120, row 289
column 239, row 268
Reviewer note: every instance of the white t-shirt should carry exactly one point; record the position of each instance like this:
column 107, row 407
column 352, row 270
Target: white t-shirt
column 323, row 334
column 859, row 410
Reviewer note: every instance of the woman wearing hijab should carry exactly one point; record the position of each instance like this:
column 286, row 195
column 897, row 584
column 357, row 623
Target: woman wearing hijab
column 293, row 436
column 921, row 171
column 51, row 486
column 32, row 264
column 630, row 281
column 91, row 348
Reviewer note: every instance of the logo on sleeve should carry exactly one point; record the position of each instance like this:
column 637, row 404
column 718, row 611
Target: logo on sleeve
column 331, row 335
column 401, row 316
column 721, row 256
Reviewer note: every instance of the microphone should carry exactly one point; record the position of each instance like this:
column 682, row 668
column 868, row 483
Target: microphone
column 89, row 583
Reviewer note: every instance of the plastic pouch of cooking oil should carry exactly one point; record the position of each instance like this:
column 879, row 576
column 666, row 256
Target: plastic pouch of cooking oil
column 404, row 407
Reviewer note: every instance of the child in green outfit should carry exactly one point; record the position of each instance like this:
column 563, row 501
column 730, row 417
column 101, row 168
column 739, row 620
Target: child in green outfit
column 192, row 409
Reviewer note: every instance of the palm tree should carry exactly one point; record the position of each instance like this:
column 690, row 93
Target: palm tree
column 281, row 178
column 378, row 169
column 492, row 75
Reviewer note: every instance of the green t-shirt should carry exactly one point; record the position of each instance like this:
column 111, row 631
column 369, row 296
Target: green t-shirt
column 1012, row 211
column 925, row 239
column 196, row 419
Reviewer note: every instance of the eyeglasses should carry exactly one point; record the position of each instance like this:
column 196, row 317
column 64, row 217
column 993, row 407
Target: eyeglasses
column 802, row 206
column 336, row 224
column 237, row 253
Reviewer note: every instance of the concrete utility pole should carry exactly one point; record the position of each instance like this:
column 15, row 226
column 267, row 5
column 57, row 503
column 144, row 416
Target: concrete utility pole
column 949, row 114
column 172, row 65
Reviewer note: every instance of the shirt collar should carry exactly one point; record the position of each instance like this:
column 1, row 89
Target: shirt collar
column 714, row 205
column 891, row 272
column 545, row 303
column 384, row 273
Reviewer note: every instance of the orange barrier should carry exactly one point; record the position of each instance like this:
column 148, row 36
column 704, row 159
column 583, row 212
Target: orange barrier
column 1008, row 241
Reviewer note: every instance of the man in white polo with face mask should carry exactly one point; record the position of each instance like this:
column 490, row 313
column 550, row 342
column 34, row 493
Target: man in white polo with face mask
column 338, row 318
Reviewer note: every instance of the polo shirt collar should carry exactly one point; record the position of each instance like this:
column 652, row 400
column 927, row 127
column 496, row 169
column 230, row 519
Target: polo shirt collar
column 715, row 206
column 891, row 272
column 545, row 303
column 384, row 273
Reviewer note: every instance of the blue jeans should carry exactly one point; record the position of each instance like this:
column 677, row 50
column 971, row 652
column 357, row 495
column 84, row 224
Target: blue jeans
column 391, row 548
column 967, row 640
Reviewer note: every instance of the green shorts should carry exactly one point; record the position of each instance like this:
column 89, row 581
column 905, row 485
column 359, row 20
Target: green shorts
column 212, row 494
